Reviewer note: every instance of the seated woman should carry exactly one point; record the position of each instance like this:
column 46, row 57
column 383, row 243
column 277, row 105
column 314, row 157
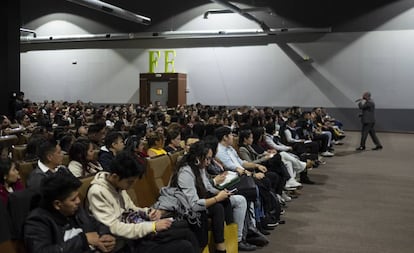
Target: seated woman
column 82, row 161
column 136, row 146
column 66, row 142
column 6, row 127
column 173, row 141
column 156, row 144
column 272, row 161
column 24, row 122
column 246, row 241
column 9, row 179
column 32, row 147
column 191, row 178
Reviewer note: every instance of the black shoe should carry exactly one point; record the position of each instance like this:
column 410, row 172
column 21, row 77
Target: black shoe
column 293, row 196
column 254, row 232
column 258, row 241
column 264, row 231
column 377, row 148
column 361, row 148
column 270, row 221
column 267, row 227
column 254, row 237
column 306, row 181
column 281, row 222
column 244, row 246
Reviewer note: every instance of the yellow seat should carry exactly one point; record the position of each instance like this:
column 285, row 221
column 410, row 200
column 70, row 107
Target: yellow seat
column 83, row 190
column 236, row 143
column 10, row 246
column 8, row 140
column 18, row 152
column 25, row 168
column 230, row 236
column 65, row 160
column 157, row 175
column 159, row 171
column 174, row 157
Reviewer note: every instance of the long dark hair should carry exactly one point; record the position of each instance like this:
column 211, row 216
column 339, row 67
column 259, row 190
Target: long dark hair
column 196, row 155
column 131, row 144
column 5, row 167
column 79, row 151
column 244, row 134
column 258, row 132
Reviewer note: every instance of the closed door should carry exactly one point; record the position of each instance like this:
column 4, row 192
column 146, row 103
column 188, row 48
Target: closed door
column 159, row 92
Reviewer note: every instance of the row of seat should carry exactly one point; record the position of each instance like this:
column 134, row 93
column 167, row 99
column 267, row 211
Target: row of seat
column 144, row 192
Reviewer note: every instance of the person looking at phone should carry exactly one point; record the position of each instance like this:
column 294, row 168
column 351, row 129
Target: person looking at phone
column 191, row 178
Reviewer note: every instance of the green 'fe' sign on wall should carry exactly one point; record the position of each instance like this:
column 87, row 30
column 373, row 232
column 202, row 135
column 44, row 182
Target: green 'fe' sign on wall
column 169, row 56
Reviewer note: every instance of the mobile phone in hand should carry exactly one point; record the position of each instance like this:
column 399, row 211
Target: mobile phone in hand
column 233, row 190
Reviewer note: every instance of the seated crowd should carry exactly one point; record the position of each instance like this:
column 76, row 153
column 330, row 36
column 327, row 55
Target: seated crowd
column 272, row 151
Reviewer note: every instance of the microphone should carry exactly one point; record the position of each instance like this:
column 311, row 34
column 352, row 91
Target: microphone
column 358, row 100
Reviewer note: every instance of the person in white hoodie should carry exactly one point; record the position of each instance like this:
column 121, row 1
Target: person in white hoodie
column 134, row 227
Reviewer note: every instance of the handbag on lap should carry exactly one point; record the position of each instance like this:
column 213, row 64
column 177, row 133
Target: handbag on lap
column 246, row 187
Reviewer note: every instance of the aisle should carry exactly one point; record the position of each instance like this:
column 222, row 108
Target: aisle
column 364, row 202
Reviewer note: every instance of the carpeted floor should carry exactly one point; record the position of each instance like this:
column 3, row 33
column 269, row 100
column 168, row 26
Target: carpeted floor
column 363, row 202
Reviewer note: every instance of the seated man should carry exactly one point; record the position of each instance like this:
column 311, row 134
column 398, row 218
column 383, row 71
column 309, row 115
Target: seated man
column 293, row 139
column 110, row 204
column 309, row 130
column 50, row 158
column 264, row 179
column 97, row 133
column 291, row 161
column 60, row 224
column 114, row 143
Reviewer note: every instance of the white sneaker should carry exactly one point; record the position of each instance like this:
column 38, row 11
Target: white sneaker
column 292, row 183
column 281, row 200
column 286, row 197
column 327, row 154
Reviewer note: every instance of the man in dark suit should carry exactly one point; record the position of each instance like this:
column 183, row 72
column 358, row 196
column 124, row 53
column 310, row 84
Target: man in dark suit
column 50, row 159
column 367, row 105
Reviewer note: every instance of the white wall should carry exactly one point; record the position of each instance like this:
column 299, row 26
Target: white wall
column 341, row 67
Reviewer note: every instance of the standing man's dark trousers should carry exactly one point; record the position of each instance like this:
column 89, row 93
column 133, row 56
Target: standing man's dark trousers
column 369, row 128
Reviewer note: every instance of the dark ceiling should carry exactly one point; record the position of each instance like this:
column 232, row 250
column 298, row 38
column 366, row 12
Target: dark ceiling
column 310, row 13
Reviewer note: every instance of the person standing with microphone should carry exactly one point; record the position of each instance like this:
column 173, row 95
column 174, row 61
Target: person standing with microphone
column 367, row 106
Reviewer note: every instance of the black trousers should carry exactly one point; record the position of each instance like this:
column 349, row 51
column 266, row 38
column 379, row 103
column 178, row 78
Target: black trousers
column 176, row 246
column 368, row 128
column 311, row 147
column 219, row 213
column 276, row 165
column 323, row 141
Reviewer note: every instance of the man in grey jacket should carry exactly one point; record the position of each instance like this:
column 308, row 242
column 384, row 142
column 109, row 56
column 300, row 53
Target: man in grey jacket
column 367, row 105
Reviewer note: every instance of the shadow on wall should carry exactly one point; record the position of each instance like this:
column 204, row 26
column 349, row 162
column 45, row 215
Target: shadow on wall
column 318, row 79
